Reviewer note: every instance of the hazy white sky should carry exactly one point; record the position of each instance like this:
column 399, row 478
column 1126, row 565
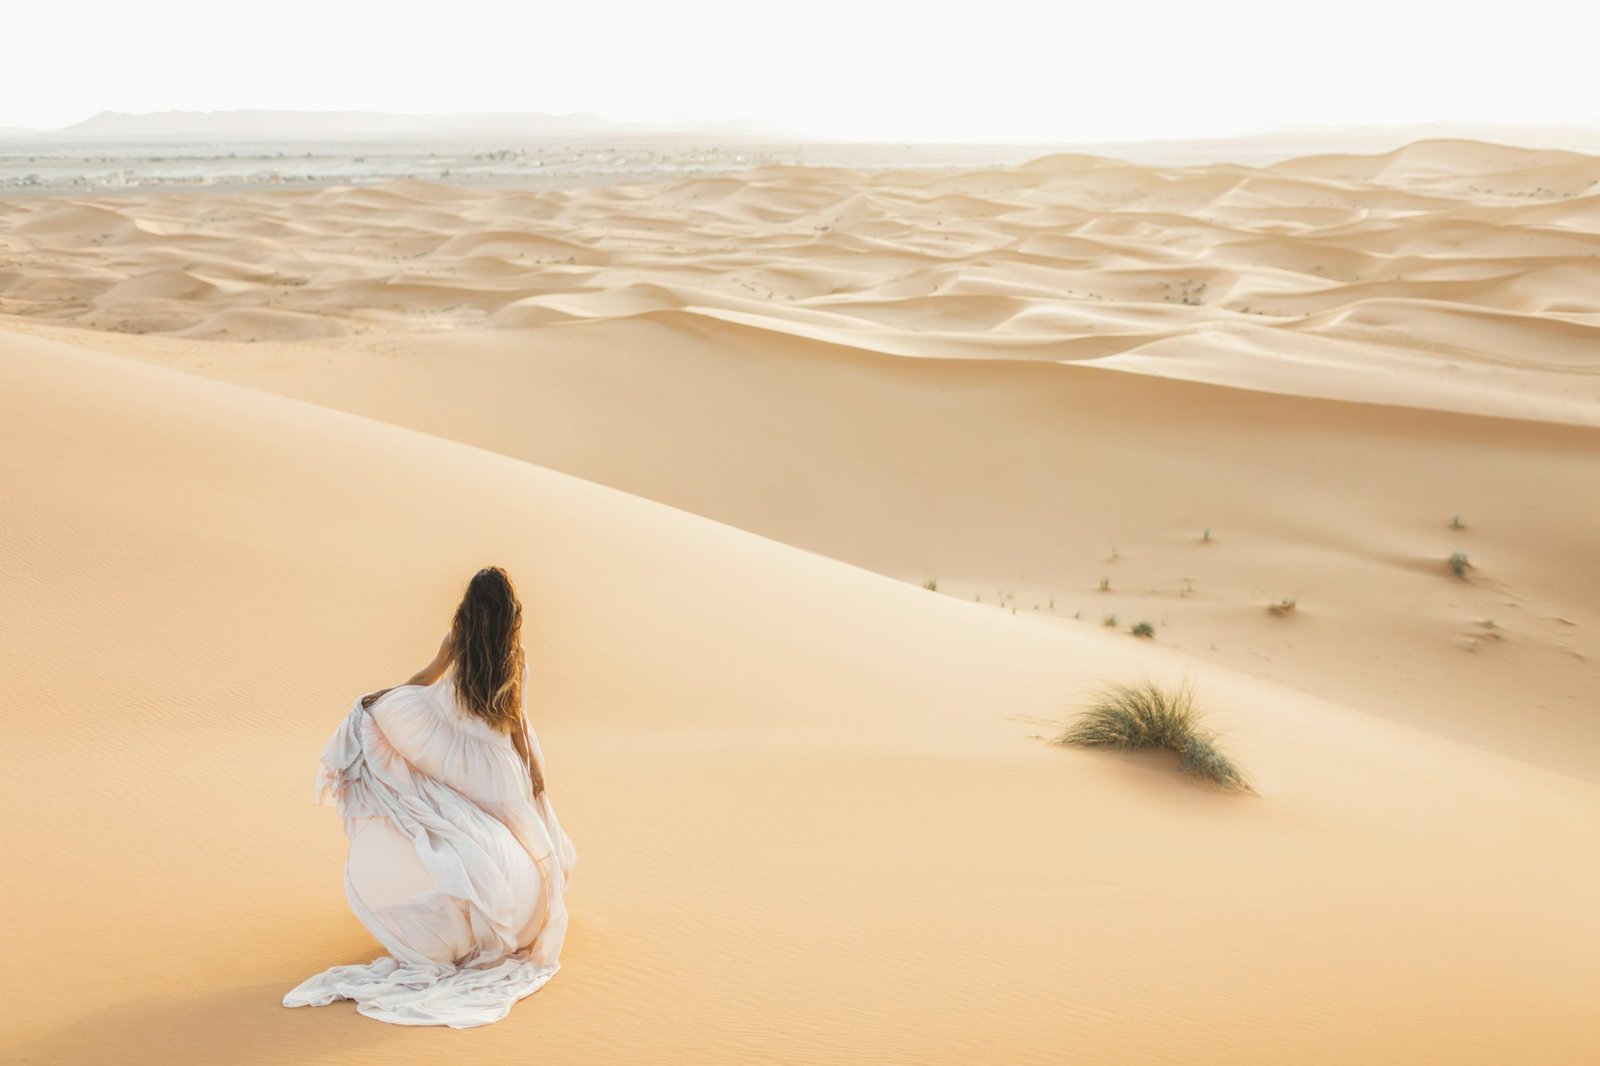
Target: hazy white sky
column 980, row 70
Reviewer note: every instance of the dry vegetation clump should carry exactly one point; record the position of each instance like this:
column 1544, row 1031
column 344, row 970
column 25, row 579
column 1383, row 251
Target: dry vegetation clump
column 1147, row 715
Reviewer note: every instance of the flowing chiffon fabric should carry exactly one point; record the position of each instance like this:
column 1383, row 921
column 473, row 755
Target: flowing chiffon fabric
column 456, row 868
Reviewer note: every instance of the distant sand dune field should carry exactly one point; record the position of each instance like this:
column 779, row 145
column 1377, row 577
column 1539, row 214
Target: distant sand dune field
column 1204, row 272
column 722, row 430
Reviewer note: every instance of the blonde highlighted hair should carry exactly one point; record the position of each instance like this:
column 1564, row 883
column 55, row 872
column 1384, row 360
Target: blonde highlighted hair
column 486, row 643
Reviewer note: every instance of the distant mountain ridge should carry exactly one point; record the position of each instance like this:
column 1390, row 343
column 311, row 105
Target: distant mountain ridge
column 257, row 125
column 1362, row 138
column 111, row 128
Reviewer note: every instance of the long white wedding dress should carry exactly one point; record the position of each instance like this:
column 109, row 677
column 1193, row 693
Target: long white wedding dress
column 455, row 866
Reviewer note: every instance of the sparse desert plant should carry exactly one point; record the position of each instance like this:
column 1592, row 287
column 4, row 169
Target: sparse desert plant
column 1459, row 564
column 932, row 584
column 1105, row 584
column 1205, row 537
column 1282, row 607
column 1456, row 523
column 1147, row 715
column 1143, row 629
column 1110, row 621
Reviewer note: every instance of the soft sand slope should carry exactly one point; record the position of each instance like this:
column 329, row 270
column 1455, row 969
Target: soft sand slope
column 1020, row 480
column 815, row 817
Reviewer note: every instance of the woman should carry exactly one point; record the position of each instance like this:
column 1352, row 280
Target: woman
column 457, row 862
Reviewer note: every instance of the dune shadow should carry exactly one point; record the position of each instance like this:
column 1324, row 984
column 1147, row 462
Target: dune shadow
column 230, row 1025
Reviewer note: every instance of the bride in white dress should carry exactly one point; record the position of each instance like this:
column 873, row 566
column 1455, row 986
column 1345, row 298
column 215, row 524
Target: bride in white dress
column 457, row 864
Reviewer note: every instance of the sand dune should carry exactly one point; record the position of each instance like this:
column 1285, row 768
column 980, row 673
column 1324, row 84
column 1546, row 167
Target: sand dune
column 1025, row 483
column 908, row 871
column 721, row 430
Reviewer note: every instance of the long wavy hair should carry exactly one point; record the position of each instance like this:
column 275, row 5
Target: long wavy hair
column 486, row 642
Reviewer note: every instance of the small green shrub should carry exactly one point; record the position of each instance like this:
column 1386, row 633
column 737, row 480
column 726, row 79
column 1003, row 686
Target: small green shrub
column 932, row 584
column 1456, row 523
column 1111, row 621
column 1105, row 584
column 1147, row 715
column 1143, row 629
column 1282, row 607
column 1459, row 564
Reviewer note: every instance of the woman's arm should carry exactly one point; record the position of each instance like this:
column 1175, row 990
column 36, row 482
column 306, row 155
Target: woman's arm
column 434, row 670
column 519, row 739
column 426, row 676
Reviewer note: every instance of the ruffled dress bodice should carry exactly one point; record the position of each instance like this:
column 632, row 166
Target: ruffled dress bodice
column 427, row 727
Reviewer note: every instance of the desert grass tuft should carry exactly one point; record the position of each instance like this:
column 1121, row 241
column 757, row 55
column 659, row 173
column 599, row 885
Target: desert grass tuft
column 932, row 584
column 1282, row 607
column 1147, row 715
column 1143, row 629
column 1459, row 564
